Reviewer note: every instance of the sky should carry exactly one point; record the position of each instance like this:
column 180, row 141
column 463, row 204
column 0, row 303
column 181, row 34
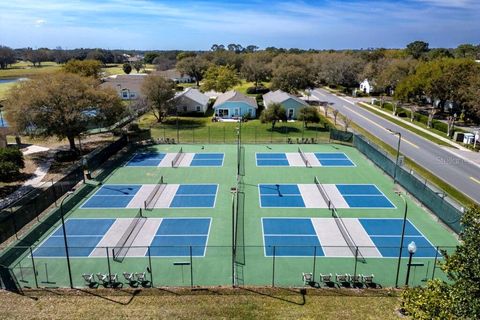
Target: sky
column 196, row 25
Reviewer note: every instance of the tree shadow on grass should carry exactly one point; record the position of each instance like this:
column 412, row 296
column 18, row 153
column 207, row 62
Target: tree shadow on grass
column 284, row 129
column 302, row 292
column 183, row 123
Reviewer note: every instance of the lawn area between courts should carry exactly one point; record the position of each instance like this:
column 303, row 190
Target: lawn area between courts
column 202, row 129
column 216, row 303
column 185, row 236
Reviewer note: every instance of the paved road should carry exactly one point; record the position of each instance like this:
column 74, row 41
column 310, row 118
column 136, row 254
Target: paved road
column 440, row 160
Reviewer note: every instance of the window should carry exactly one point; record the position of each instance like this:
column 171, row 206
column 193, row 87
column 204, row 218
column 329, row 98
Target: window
column 291, row 113
column 132, row 94
column 184, row 108
column 199, row 109
column 125, row 94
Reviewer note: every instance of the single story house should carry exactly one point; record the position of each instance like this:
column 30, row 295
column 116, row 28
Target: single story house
column 291, row 103
column 191, row 100
column 366, row 86
column 233, row 104
column 128, row 86
column 175, row 76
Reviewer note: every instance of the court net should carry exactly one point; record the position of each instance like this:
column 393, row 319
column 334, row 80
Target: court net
column 340, row 223
column 155, row 194
column 178, row 158
column 323, row 192
column 304, row 157
column 123, row 245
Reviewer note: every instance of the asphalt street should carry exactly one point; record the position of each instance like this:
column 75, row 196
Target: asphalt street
column 451, row 168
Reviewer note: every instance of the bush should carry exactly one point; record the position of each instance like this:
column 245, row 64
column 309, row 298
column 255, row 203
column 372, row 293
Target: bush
column 11, row 161
column 133, row 127
column 440, row 126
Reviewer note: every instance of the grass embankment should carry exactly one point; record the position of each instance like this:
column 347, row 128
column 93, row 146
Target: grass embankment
column 202, row 129
column 211, row 303
column 26, row 70
column 406, row 126
column 429, row 176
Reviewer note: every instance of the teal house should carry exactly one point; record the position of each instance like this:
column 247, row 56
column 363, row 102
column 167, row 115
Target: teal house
column 233, row 104
column 291, row 103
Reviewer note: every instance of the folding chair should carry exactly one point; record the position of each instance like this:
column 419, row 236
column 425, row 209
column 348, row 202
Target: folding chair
column 356, row 280
column 130, row 277
column 103, row 278
column 343, row 279
column 141, row 278
column 307, row 278
column 89, row 279
column 326, row 279
column 368, row 280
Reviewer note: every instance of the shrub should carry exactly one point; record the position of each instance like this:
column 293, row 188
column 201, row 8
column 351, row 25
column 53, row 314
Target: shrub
column 133, row 127
column 440, row 126
column 11, row 161
column 257, row 90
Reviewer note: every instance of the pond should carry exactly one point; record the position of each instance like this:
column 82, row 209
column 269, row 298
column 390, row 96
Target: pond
column 11, row 80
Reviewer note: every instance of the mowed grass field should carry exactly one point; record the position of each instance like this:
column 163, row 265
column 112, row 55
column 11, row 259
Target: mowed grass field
column 211, row 303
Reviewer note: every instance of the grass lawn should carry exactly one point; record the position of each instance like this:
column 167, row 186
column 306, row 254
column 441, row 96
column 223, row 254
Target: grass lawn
column 242, row 87
column 202, row 129
column 4, row 88
column 26, row 69
column 111, row 69
column 212, row 303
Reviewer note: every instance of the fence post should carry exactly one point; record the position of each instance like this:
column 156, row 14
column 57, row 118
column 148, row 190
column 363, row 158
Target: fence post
column 271, row 136
column 273, row 268
column 150, row 267
column 356, row 261
column 33, row 267
column 208, row 134
column 191, row 268
column 108, row 265
column 193, row 135
column 223, row 134
column 255, row 134
column 314, row 262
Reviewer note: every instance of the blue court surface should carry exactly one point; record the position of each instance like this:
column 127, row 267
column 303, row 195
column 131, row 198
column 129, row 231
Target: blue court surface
column 355, row 195
column 296, row 237
column 173, row 238
column 153, row 159
column 111, row 196
column 271, row 159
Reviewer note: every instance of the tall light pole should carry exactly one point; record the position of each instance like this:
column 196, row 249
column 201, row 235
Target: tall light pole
column 398, row 153
column 65, row 239
column 412, row 248
column 402, row 237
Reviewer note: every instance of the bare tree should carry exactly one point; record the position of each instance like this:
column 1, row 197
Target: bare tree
column 395, row 106
column 431, row 114
column 450, row 124
column 413, row 110
column 335, row 115
column 325, row 109
column 346, row 122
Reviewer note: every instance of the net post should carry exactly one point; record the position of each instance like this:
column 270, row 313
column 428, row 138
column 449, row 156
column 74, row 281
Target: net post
column 435, row 262
column 108, row 265
column 356, row 262
column 314, row 262
column 150, row 266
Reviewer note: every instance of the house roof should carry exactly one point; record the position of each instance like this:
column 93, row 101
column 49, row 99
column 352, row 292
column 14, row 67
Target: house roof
column 193, row 94
column 171, row 74
column 235, row 96
column 280, row 96
column 120, row 82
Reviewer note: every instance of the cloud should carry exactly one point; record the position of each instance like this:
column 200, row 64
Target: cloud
column 40, row 22
column 450, row 3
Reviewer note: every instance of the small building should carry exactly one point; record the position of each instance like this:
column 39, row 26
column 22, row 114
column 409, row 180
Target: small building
column 366, row 86
column 233, row 104
column 175, row 76
column 128, row 86
column 291, row 103
column 191, row 100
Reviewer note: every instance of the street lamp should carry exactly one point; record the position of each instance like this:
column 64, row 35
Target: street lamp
column 402, row 237
column 398, row 153
column 412, row 248
column 65, row 238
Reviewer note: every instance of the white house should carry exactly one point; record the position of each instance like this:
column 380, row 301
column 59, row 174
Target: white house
column 175, row 76
column 291, row 103
column 233, row 104
column 366, row 86
column 191, row 100
column 128, row 86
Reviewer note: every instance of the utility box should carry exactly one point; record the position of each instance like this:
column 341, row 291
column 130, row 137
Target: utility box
column 458, row 136
column 468, row 138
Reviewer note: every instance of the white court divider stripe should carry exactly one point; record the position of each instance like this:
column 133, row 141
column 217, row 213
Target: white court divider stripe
column 111, row 238
column 312, row 159
column 138, row 200
column 167, row 160
column 187, row 159
column 361, row 238
column 295, row 160
column 144, row 238
column 311, row 196
column 335, row 195
column 331, row 239
column 167, row 196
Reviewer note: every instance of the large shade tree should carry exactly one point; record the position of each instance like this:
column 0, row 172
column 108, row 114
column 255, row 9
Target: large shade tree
column 62, row 105
column 193, row 66
column 159, row 93
column 220, row 78
column 273, row 113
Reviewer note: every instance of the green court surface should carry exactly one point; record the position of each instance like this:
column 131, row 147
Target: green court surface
column 295, row 252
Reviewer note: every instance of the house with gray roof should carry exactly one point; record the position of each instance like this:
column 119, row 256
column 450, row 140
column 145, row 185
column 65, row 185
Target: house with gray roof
column 291, row 103
column 191, row 100
column 175, row 76
column 233, row 104
column 128, row 86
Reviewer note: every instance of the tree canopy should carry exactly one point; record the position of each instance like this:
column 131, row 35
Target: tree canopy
column 194, row 66
column 86, row 68
column 309, row 114
column 62, row 105
column 220, row 78
column 273, row 113
column 159, row 93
